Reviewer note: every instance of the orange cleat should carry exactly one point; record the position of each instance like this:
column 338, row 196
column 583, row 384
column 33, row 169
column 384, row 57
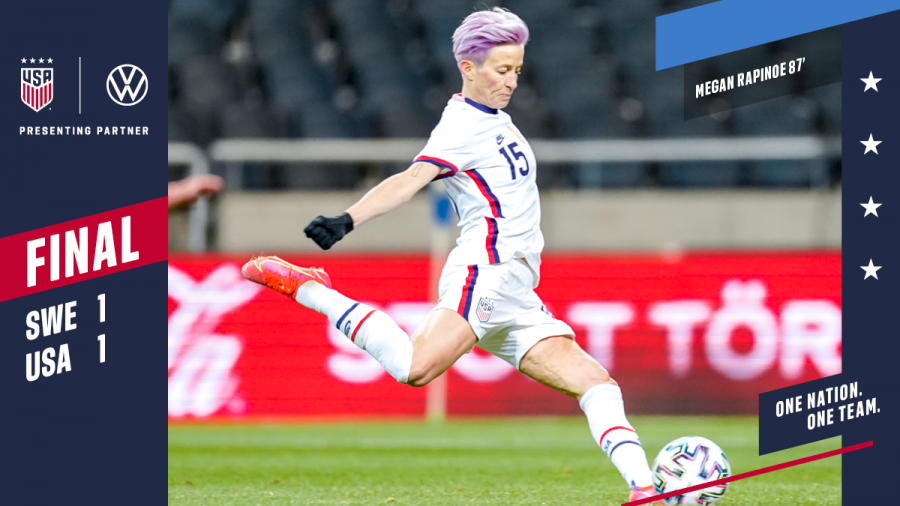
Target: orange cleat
column 281, row 276
column 638, row 493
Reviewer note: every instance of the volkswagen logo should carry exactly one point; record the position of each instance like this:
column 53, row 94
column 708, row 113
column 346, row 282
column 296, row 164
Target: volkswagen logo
column 127, row 85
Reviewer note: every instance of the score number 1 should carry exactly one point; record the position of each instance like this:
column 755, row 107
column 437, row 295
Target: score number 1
column 102, row 337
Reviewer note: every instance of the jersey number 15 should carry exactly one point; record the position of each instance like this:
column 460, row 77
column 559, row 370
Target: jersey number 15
column 518, row 154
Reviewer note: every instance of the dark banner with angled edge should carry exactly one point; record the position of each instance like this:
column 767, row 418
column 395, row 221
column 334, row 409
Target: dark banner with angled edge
column 712, row 42
column 815, row 410
column 760, row 73
column 83, row 250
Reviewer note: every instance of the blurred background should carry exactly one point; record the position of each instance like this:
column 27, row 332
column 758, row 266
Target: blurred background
column 698, row 260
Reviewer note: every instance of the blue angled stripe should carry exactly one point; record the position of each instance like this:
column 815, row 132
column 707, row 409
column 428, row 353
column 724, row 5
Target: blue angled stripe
column 730, row 25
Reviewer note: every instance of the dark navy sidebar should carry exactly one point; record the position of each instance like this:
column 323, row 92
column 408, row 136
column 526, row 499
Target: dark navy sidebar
column 91, row 432
column 871, row 306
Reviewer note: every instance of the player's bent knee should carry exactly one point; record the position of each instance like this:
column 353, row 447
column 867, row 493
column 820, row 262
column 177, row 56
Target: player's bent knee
column 600, row 376
column 592, row 381
column 608, row 381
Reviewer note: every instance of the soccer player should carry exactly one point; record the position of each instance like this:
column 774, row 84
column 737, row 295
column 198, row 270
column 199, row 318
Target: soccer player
column 487, row 286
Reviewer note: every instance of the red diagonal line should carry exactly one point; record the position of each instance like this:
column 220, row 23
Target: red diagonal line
column 749, row 474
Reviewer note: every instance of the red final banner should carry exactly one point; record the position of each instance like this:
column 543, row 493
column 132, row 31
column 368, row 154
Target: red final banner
column 84, row 248
column 697, row 333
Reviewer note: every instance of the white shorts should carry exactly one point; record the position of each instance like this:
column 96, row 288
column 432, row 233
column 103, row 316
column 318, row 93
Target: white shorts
column 499, row 303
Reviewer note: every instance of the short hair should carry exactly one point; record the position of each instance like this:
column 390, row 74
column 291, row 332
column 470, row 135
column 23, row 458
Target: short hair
column 483, row 30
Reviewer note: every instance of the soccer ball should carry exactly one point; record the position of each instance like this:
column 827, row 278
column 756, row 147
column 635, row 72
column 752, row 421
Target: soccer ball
column 690, row 461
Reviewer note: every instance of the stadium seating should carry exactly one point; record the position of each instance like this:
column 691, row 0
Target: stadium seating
column 384, row 68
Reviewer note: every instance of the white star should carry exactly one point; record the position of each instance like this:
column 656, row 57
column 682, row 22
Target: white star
column 870, row 270
column 871, row 208
column 32, row 60
column 49, row 60
column 870, row 145
column 41, row 60
column 24, row 60
column 870, row 82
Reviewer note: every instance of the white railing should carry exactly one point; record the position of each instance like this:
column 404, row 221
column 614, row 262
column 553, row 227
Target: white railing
column 234, row 152
column 648, row 150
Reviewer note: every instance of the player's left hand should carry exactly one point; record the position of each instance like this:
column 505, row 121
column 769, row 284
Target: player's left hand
column 327, row 230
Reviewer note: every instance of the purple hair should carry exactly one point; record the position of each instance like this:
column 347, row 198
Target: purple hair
column 483, row 30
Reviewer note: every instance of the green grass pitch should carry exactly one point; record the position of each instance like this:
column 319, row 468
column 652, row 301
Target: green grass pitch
column 533, row 461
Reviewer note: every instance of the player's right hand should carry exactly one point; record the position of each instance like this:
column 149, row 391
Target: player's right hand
column 327, row 230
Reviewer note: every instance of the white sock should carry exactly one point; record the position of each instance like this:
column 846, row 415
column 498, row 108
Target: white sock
column 606, row 417
column 369, row 329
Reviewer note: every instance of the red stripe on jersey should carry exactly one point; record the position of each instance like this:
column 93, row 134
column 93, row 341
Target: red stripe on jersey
column 466, row 295
column 440, row 163
column 485, row 190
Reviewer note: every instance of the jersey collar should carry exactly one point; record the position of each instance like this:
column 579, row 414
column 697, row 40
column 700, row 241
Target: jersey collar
column 480, row 107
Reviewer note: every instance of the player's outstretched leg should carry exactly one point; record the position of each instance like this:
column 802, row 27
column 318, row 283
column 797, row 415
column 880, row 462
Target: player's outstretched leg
column 560, row 363
column 605, row 411
column 369, row 329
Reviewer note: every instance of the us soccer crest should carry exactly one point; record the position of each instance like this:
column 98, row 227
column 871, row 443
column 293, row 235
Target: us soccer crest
column 37, row 87
column 484, row 309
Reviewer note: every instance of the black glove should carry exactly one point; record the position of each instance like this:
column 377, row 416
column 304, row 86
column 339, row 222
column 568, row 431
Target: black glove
column 326, row 231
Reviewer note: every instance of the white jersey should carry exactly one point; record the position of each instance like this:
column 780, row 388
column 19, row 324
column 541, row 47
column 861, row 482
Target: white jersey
column 489, row 171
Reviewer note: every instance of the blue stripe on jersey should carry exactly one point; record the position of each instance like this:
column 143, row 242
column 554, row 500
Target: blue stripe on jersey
column 486, row 191
column 493, row 233
column 471, row 289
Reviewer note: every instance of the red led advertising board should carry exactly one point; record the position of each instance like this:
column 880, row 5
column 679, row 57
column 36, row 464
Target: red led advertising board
column 700, row 333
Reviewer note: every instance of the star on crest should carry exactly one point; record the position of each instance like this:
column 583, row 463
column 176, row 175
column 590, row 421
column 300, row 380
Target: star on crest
column 49, row 60
column 24, row 60
column 870, row 82
column 41, row 60
column 32, row 60
column 870, row 145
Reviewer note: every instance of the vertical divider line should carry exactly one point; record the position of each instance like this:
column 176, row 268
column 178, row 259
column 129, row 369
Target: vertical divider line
column 79, row 85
